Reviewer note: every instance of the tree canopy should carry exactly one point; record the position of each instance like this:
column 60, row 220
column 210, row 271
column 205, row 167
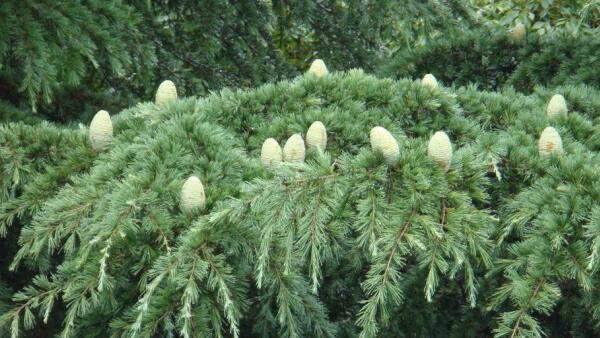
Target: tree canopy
column 299, row 169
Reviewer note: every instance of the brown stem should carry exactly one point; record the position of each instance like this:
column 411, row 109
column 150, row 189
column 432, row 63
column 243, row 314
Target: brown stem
column 390, row 185
column 535, row 292
column 405, row 226
column 444, row 209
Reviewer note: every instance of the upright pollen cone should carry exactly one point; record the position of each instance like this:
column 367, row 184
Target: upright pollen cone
column 550, row 142
column 316, row 136
column 383, row 141
column 440, row 150
column 517, row 34
column 556, row 106
column 192, row 195
column 294, row 150
column 270, row 154
column 318, row 68
column 430, row 81
column 101, row 130
column 166, row 92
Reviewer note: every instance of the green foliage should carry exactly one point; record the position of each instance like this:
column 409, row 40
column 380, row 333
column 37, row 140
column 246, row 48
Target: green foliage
column 491, row 60
column 473, row 57
column 8, row 112
column 341, row 245
column 506, row 243
column 67, row 60
column 544, row 17
column 355, row 33
column 207, row 45
column 52, row 51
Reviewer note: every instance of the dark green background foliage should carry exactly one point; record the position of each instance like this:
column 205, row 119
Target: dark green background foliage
column 66, row 59
column 491, row 60
column 544, row 17
column 205, row 45
column 356, row 33
column 58, row 57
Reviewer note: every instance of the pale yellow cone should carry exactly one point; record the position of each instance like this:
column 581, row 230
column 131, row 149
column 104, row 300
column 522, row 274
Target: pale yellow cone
column 318, row 68
column 518, row 33
column 383, row 141
column 440, row 150
column 550, row 142
column 166, row 92
column 294, row 150
column 556, row 106
column 101, row 130
column 316, row 136
column 192, row 195
column 430, row 81
column 271, row 155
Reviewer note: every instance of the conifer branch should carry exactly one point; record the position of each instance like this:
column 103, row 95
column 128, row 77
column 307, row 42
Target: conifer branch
column 523, row 310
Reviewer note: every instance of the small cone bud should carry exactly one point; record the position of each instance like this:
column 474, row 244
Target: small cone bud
column 166, row 92
column 556, row 106
column 440, row 149
column 101, row 130
column 550, row 142
column 429, row 81
column 270, row 154
column 294, row 150
column 192, row 195
column 517, row 34
column 318, row 68
column 383, row 141
column 316, row 136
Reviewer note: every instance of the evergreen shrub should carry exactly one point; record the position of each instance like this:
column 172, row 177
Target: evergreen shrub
column 341, row 241
column 493, row 60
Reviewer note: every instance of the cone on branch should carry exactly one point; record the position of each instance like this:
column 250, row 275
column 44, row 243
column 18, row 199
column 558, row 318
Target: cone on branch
column 192, row 195
column 383, row 141
column 556, row 106
column 101, row 130
column 271, row 155
column 550, row 142
column 294, row 150
column 440, row 150
column 316, row 136
column 166, row 92
column 518, row 33
column 429, row 81
column 318, row 68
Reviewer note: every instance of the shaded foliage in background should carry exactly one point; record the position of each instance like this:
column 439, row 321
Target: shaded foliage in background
column 544, row 16
column 57, row 57
column 491, row 60
column 356, row 33
column 66, row 60
column 204, row 45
